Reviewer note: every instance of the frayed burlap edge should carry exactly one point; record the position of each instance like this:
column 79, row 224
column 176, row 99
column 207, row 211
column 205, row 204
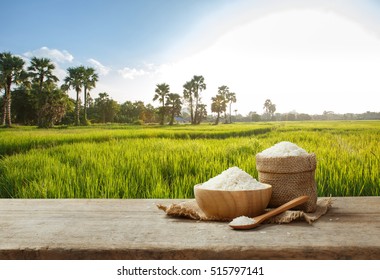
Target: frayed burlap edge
column 190, row 209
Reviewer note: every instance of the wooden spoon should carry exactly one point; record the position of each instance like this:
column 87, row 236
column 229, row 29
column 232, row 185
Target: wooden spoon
column 256, row 221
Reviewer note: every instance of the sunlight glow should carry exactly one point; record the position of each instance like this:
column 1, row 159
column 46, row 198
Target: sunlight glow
column 304, row 60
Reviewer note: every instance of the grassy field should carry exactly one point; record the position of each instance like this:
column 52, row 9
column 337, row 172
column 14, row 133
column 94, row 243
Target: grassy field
column 117, row 161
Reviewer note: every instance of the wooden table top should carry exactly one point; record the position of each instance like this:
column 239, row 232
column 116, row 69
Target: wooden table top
column 136, row 229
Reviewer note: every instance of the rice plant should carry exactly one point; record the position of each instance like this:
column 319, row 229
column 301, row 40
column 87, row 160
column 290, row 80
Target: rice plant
column 166, row 162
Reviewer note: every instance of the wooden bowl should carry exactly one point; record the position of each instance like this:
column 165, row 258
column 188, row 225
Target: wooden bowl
column 226, row 204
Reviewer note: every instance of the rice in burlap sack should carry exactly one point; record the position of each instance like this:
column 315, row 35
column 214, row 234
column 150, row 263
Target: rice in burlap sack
column 290, row 177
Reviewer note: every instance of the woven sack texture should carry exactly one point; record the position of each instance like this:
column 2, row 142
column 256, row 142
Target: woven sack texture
column 290, row 178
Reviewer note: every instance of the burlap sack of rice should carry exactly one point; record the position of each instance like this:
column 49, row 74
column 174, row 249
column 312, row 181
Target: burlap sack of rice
column 290, row 177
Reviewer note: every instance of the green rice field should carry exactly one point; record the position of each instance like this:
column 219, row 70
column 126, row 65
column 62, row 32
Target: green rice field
column 120, row 161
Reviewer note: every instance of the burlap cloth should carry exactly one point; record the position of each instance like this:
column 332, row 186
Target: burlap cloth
column 190, row 209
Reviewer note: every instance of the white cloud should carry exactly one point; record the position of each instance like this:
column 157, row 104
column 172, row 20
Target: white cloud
column 54, row 54
column 132, row 73
column 57, row 57
column 103, row 70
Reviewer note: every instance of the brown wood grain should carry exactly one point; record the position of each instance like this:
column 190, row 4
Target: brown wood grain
column 136, row 229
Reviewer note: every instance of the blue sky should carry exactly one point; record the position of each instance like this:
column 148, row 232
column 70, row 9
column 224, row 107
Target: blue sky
column 306, row 56
column 120, row 31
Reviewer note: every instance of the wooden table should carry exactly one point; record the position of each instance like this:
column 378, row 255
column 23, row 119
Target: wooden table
column 136, row 229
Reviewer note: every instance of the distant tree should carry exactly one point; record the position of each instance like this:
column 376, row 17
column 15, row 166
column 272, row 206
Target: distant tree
column 127, row 113
column 54, row 109
column 270, row 108
column 134, row 112
column 106, row 108
column 43, row 82
column 41, row 72
column 174, row 105
column 201, row 113
column 328, row 115
column 218, row 106
column 192, row 95
column 188, row 97
column 224, row 91
column 2, row 98
column 288, row 117
column 90, row 77
column 74, row 80
column 162, row 90
column 150, row 114
column 230, row 98
column 198, row 85
column 140, row 111
column 24, row 106
column 254, row 117
column 11, row 72
column 303, row 117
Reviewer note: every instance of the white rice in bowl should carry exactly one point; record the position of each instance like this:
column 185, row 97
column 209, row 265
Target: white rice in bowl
column 233, row 179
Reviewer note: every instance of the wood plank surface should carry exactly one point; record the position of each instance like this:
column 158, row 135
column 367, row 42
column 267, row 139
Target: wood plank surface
column 136, row 229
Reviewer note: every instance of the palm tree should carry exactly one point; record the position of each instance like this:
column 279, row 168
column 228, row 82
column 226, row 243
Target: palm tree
column 188, row 96
column 223, row 91
column 41, row 71
column 270, row 108
column 2, row 86
column 89, row 81
column 173, row 102
column 75, row 80
column 201, row 112
column 43, row 79
column 218, row 106
column 198, row 84
column 230, row 98
column 162, row 90
column 11, row 72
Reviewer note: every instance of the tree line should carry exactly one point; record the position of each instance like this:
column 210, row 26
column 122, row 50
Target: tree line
column 32, row 97
column 171, row 103
column 37, row 97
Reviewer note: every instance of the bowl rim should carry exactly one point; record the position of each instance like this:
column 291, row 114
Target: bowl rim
column 267, row 186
